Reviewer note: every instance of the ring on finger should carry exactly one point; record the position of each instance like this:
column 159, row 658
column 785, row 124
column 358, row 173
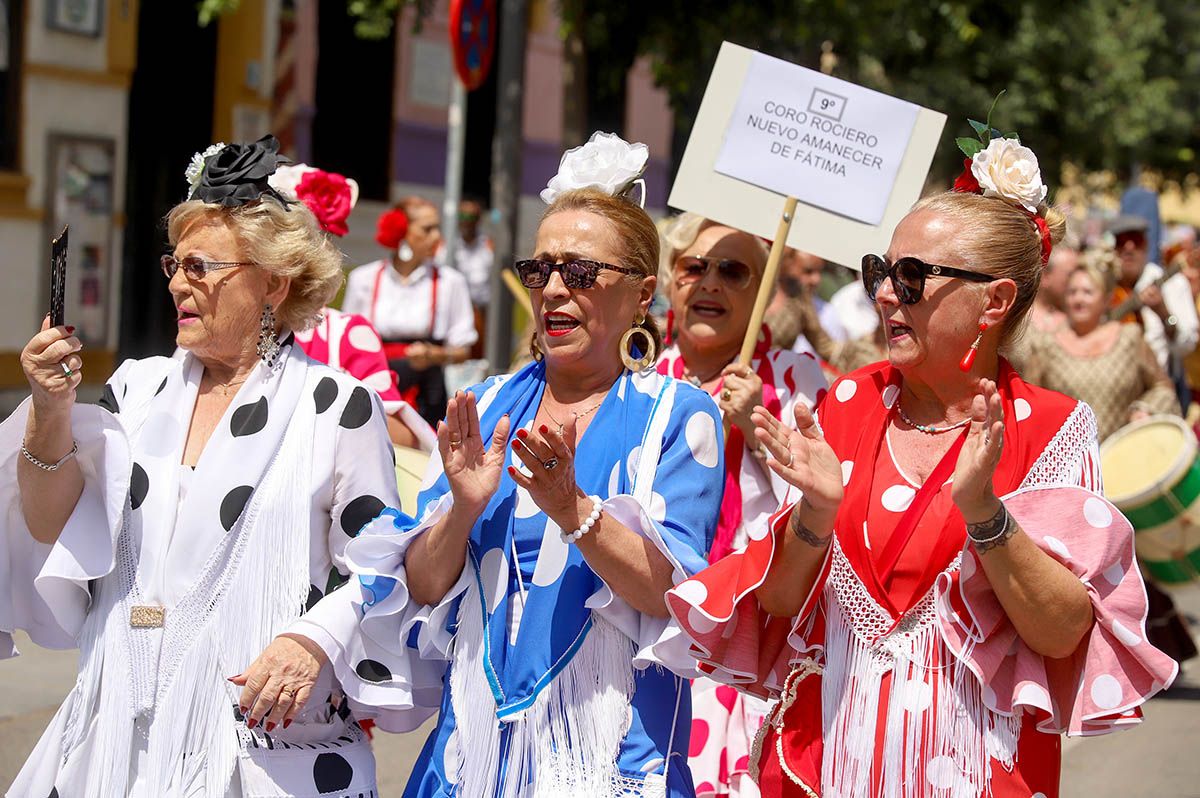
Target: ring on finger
column 455, row 443
column 725, row 394
column 67, row 371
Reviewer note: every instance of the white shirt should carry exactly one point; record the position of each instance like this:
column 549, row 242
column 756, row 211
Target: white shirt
column 827, row 314
column 475, row 262
column 855, row 310
column 1177, row 294
column 402, row 309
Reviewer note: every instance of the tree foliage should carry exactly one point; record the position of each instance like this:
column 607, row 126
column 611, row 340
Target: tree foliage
column 1098, row 84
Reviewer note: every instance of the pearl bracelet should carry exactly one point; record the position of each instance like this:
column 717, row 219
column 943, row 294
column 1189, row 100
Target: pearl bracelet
column 588, row 523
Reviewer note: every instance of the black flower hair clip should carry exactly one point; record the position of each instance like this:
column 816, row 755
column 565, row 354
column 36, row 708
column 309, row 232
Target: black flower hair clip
column 235, row 174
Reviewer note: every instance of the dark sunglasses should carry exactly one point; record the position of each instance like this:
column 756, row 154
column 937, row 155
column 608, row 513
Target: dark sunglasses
column 195, row 268
column 1137, row 238
column 576, row 274
column 693, row 268
column 908, row 276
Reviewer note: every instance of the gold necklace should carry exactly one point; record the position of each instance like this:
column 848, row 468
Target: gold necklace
column 578, row 416
column 225, row 388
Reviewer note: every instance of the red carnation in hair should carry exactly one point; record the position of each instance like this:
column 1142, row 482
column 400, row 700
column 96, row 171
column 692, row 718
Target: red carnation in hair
column 392, row 228
column 966, row 182
column 329, row 196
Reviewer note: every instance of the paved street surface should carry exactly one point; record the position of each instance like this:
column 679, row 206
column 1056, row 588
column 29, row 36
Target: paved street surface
column 1160, row 759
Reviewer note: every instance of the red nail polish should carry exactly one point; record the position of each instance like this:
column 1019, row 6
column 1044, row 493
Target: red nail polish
column 243, row 709
column 251, row 723
column 522, row 433
column 70, row 329
column 512, row 472
column 543, row 429
column 287, row 723
column 270, row 726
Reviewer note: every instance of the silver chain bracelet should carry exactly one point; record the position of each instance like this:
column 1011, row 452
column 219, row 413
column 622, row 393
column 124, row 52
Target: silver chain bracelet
column 49, row 466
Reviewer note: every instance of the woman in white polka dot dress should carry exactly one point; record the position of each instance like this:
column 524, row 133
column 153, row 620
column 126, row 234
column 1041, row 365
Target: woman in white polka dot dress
column 174, row 530
column 925, row 637
column 526, row 605
column 712, row 274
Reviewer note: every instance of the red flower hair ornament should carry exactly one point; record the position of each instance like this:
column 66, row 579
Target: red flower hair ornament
column 391, row 228
column 328, row 195
column 998, row 165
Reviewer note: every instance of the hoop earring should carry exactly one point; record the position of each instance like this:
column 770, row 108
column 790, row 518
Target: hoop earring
column 968, row 359
column 649, row 350
column 268, row 342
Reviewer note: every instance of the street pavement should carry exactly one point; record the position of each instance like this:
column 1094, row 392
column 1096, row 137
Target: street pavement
column 1159, row 759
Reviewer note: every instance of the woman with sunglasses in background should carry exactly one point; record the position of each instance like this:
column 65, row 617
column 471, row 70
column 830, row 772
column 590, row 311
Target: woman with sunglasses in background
column 927, row 637
column 526, row 603
column 712, row 275
column 173, row 531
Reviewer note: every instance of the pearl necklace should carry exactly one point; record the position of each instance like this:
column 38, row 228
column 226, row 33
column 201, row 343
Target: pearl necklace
column 927, row 428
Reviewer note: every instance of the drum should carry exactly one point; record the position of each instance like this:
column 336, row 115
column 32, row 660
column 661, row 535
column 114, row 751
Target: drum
column 1152, row 473
column 410, row 470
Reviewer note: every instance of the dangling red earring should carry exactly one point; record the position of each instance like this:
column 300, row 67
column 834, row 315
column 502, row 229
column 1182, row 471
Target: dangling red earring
column 968, row 359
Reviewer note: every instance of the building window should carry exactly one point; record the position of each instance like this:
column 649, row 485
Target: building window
column 11, row 27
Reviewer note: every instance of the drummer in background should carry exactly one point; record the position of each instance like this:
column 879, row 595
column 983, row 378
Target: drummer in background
column 422, row 312
column 1110, row 366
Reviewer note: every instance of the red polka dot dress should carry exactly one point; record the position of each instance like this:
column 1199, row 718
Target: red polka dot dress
column 902, row 676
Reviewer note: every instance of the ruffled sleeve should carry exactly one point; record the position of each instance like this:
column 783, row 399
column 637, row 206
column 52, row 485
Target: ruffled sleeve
column 388, row 652
column 44, row 589
column 679, row 521
column 733, row 639
column 1113, row 671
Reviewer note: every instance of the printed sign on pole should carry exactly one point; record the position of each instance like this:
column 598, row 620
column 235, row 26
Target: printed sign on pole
column 856, row 159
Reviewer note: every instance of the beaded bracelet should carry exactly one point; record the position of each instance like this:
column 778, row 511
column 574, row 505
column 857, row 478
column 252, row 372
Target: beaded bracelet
column 588, row 523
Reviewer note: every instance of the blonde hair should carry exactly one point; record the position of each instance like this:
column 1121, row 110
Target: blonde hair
column 286, row 242
column 635, row 233
column 1001, row 239
column 681, row 232
column 1101, row 264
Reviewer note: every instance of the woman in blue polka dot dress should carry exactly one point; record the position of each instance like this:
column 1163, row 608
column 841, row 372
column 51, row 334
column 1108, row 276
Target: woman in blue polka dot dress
column 174, row 530
column 525, row 605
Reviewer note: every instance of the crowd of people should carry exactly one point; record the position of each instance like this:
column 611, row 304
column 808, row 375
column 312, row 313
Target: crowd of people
column 873, row 558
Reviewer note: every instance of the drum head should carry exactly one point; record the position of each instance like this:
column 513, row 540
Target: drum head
column 1141, row 460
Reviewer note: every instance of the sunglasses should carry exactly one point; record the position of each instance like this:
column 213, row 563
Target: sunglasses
column 1138, row 239
column 578, row 273
column 908, row 276
column 195, row 268
column 693, row 268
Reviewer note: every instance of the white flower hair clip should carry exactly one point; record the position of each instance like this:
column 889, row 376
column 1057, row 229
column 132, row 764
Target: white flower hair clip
column 998, row 165
column 607, row 162
column 195, row 169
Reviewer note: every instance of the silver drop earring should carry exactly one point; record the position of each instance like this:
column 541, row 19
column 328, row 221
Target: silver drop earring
column 268, row 343
column 404, row 251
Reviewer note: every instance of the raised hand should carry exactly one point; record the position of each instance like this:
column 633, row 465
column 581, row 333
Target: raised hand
column 741, row 392
column 802, row 458
column 551, row 463
column 471, row 467
column 43, row 360
column 972, row 488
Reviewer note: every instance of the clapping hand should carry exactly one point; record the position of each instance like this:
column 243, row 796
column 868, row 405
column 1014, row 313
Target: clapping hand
column 972, row 488
column 472, row 469
column 551, row 463
column 803, row 459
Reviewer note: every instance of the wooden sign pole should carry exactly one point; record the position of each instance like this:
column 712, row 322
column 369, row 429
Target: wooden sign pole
column 766, row 288
column 513, row 283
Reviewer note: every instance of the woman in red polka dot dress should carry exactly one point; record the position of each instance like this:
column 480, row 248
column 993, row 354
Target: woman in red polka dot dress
column 712, row 273
column 925, row 637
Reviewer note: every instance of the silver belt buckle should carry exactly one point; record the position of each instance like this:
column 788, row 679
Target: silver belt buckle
column 144, row 616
